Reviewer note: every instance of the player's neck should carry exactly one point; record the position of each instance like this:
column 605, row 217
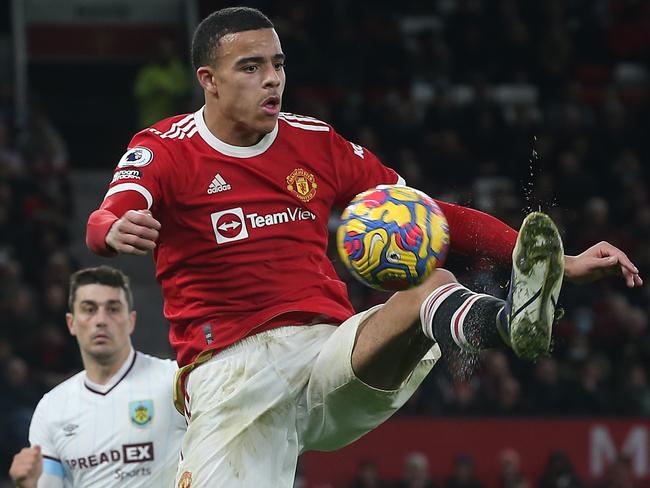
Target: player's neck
column 101, row 371
column 229, row 131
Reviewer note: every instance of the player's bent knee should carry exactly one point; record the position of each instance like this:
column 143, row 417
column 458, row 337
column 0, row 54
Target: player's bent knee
column 437, row 279
column 404, row 306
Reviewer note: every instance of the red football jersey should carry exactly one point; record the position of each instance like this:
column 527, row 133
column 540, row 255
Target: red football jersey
column 244, row 230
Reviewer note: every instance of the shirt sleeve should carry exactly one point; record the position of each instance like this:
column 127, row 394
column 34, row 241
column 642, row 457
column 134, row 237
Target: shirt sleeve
column 136, row 182
column 48, row 479
column 40, row 433
column 475, row 233
column 358, row 169
column 136, row 185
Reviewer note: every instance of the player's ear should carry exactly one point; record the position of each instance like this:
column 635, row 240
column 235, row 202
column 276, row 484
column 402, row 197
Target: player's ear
column 205, row 75
column 132, row 318
column 69, row 320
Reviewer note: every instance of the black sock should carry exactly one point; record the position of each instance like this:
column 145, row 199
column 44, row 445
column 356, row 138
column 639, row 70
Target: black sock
column 457, row 317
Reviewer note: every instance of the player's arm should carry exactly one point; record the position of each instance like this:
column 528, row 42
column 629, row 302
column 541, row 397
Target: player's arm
column 38, row 466
column 124, row 222
column 471, row 231
column 30, row 469
column 477, row 233
column 134, row 232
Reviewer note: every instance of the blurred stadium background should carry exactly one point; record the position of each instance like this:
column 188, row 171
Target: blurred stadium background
column 503, row 105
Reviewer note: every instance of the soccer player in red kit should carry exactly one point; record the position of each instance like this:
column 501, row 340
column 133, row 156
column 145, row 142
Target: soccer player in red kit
column 234, row 202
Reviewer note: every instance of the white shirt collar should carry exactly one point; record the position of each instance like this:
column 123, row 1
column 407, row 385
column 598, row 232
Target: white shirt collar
column 228, row 149
column 115, row 379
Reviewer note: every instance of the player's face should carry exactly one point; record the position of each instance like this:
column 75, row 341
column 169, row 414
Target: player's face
column 249, row 81
column 101, row 322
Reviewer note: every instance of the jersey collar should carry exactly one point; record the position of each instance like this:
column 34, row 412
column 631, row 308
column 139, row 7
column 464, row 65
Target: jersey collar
column 115, row 379
column 228, row 149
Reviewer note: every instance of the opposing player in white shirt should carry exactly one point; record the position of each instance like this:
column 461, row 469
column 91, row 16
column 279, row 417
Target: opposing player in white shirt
column 114, row 423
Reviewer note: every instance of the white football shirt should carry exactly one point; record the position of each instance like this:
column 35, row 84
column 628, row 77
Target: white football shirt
column 124, row 433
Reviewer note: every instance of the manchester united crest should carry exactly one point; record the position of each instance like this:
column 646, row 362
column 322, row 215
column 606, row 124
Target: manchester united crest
column 186, row 480
column 302, row 183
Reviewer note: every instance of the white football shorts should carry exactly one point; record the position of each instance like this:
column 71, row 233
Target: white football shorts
column 254, row 407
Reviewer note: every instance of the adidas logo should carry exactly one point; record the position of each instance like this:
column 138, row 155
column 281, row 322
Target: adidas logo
column 217, row 185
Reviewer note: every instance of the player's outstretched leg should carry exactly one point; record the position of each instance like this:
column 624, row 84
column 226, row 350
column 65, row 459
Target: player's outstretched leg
column 454, row 315
column 389, row 343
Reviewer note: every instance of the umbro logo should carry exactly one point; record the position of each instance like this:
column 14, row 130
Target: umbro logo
column 218, row 184
column 70, row 429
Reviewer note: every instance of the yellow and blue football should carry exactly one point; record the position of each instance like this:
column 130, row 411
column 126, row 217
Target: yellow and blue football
column 392, row 237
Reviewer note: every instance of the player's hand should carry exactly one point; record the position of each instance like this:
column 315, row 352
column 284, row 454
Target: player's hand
column 600, row 260
column 135, row 232
column 27, row 467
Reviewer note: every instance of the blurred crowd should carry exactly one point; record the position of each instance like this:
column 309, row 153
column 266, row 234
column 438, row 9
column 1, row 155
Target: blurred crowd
column 36, row 205
column 506, row 106
column 558, row 473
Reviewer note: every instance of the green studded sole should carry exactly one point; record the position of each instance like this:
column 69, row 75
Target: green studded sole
column 538, row 259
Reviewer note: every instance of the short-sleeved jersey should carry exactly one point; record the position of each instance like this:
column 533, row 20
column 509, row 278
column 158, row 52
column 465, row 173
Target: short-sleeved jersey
column 244, row 230
column 125, row 433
